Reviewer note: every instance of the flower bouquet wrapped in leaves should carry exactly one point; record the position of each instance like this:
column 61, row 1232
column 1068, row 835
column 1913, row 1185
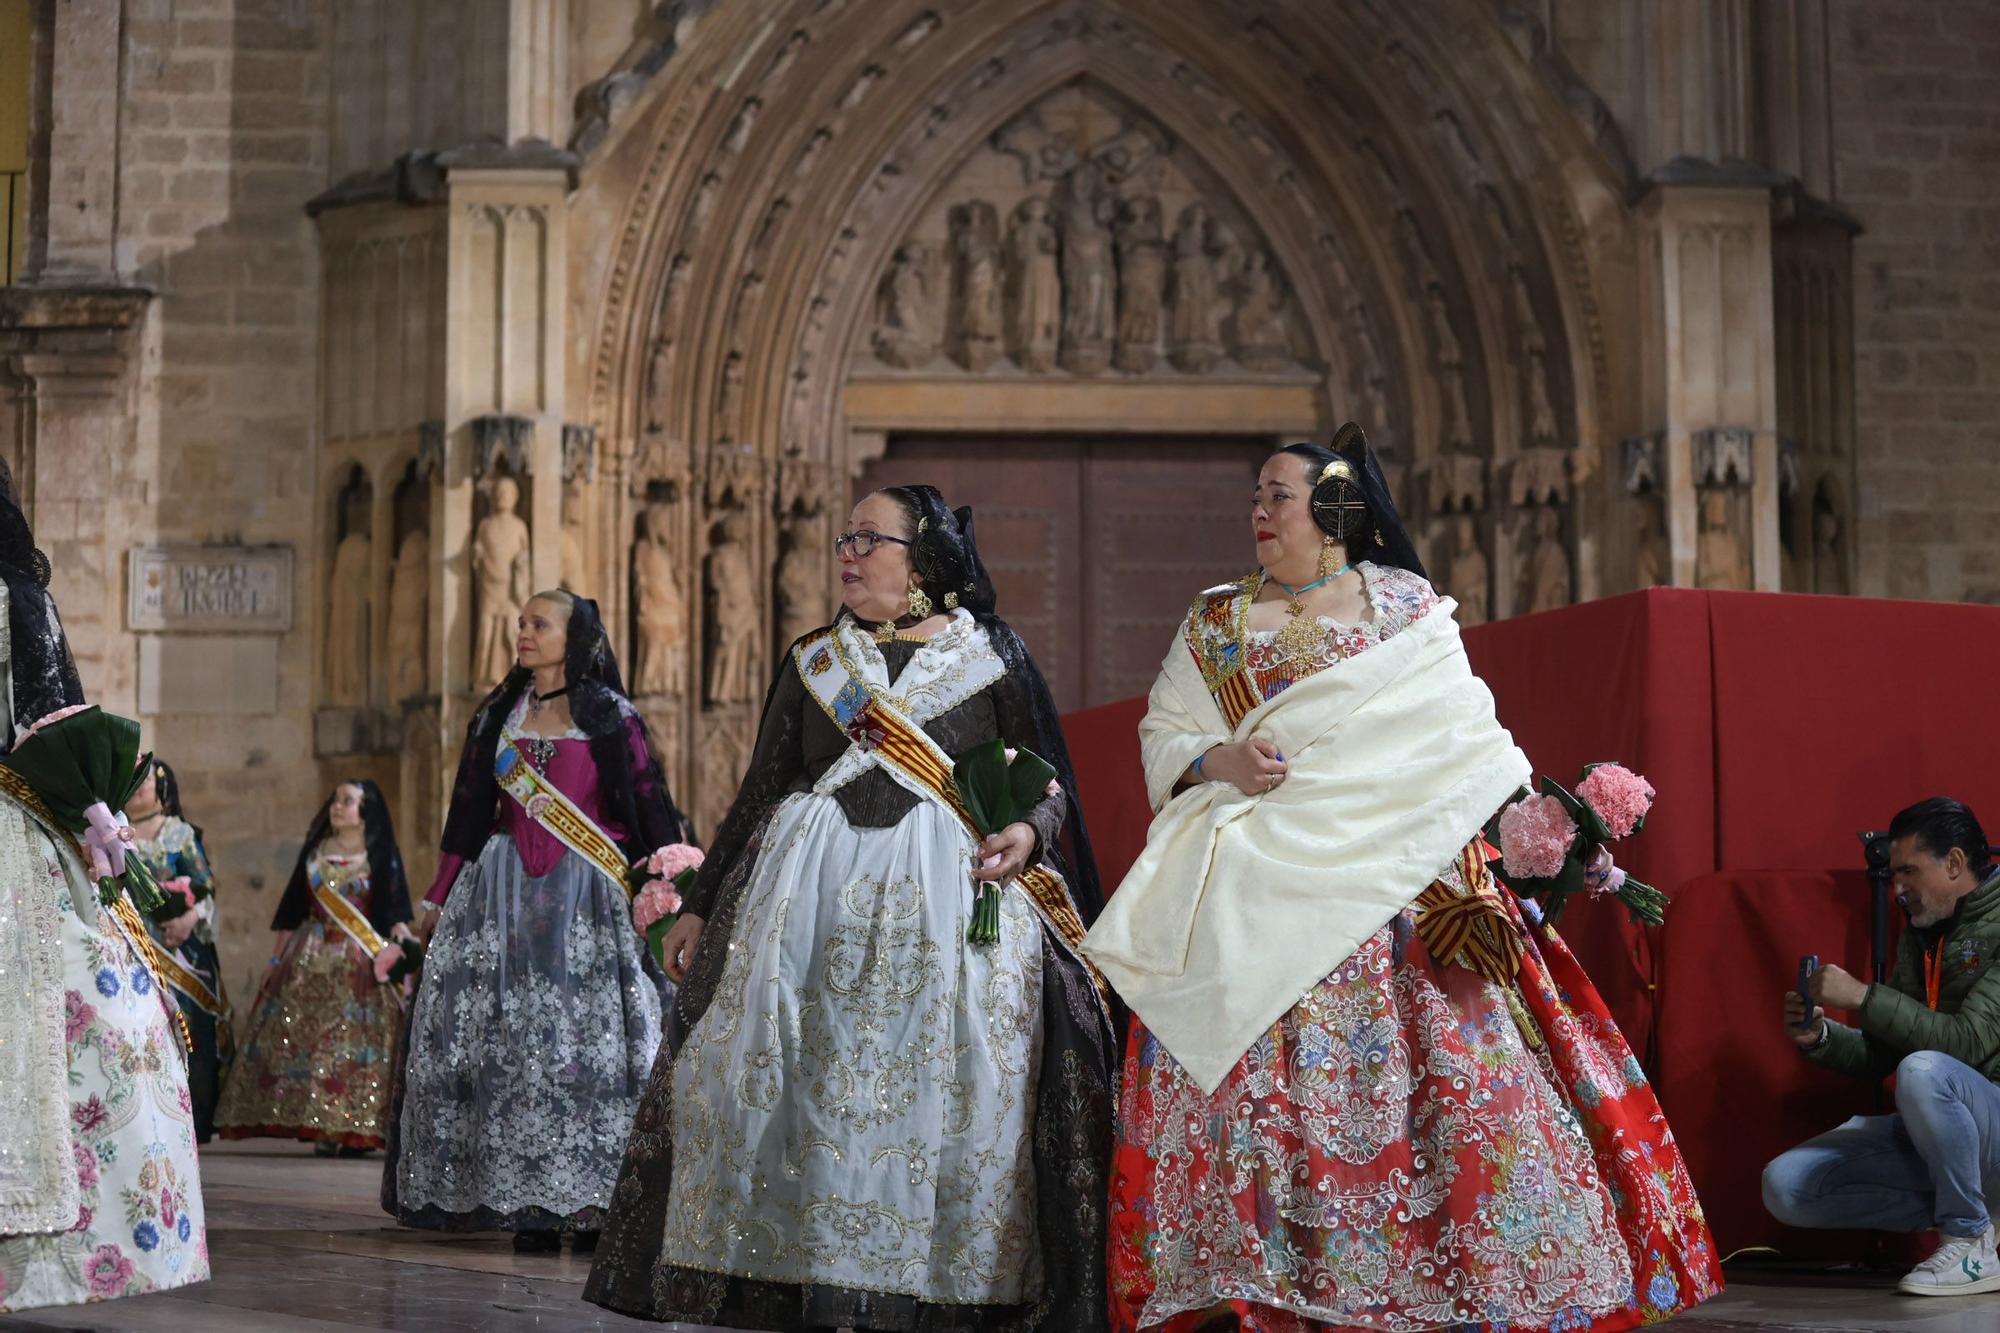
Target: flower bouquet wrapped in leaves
column 84, row 763
column 662, row 879
column 402, row 957
column 1554, row 843
column 998, row 787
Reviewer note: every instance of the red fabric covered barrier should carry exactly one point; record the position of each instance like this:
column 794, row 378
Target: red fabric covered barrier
column 1733, row 1087
column 1775, row 727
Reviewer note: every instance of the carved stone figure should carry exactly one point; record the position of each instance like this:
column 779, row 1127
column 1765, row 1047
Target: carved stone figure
column 801, row 582
column 1258, row 333
column 732, row 613
column 409, row 619
column 659, row 382
column 739, row 128
column 1142, row 281
column 501, row 578
column 1548, row 568
column 906, row 309
column 1470, row 575
column 1649, row 551
column 1449, row 358
column 1719, row 558
column 1192, row 296
column 660, row 659
column 1829, row 568
column 1034, row 287
column 1088, row 290
column 1541, row 412
column 575, row 575
column 975, row 254
column 347, row 620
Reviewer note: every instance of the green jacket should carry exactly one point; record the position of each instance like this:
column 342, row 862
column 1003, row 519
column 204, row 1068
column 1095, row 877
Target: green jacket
column 1897, row 1021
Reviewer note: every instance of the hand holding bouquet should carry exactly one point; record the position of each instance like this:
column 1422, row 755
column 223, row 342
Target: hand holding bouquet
column 998, row 787
column 1553, row 844
column 84, row 763
column 401, row 957
column 664, row 877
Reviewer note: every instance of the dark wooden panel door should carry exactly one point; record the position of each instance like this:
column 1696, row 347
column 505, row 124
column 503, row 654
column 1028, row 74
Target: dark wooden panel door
column 1096, row 547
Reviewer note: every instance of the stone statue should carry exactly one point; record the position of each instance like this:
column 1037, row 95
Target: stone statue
column 1142, row 284
column 660, row 659
column 1719, row 558
column 501, row 578
column 1034, row 287
column 1191, row 296
column 1088, row 290
column 1470, row 575
column 409, row 619
column 1649, row 549
column 1449, row 358
column 347, row 618
column 732, row 613
column 1829, row 567
column 659, row 383
column 1541, row 412
column 906, row 332
column 575, row 574
column 1258, row 333
column 727, row 396
column 975, row 253
column 1548, row 571
column 801, row 580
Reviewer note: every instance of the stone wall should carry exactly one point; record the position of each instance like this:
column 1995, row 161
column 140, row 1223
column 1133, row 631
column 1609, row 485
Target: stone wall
column 1917, row 134
column 223, row 135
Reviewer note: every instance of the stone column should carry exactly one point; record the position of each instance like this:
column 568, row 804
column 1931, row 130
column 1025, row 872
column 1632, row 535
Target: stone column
column 1708, row 356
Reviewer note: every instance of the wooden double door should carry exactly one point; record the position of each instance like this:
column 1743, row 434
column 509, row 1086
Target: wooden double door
column 1096, row 547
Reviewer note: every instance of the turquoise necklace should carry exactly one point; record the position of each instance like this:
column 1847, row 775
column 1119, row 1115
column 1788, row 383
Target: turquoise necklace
column 1298, row 607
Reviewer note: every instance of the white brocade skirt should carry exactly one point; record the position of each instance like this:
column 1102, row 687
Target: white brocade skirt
column 855, row 1109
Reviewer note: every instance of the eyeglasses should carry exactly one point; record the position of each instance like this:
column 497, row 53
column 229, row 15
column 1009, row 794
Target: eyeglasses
column 863, row 543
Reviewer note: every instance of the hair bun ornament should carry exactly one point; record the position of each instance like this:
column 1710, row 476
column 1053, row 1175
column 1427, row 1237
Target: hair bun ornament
column 41, row 568
column 1349, row 438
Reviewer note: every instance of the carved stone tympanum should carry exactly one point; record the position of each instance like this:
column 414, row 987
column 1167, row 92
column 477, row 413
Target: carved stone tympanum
column 1034, row 287
column 975, row 257
column 906, row 333
column 1142, row 284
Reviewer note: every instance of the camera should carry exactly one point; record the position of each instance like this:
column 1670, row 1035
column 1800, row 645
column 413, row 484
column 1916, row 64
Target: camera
column 1875, row 853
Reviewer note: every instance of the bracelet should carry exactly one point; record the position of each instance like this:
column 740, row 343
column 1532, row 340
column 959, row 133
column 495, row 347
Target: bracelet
column 1199, row 775
column 275, row 960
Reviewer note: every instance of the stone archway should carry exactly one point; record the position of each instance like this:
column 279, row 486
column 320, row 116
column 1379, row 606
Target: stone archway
column 774, row 303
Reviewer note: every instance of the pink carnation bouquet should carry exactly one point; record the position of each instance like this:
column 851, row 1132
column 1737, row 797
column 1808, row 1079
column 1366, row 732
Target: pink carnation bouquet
column 1554, row 843
column 662, row 878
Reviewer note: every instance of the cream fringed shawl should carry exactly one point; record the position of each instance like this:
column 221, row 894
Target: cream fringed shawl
column 38, row 1179
column 1239, row 904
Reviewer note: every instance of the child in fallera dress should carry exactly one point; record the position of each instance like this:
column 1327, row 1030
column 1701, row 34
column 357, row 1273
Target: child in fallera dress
column 318, row 1061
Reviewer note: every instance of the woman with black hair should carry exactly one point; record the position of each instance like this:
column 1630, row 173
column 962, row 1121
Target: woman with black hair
column 1364, row 1087
column 318, row 1060
column 539, row 1012
column 171, row 848
column 864, row 1118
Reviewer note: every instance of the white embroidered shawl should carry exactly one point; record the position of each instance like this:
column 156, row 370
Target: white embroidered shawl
column 1239, row 904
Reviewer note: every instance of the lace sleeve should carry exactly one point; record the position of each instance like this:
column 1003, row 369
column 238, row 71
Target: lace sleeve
column 776, row 764
column 1015, row 718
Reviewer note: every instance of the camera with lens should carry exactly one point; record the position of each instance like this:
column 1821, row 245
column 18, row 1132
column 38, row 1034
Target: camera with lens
column 1875, row 853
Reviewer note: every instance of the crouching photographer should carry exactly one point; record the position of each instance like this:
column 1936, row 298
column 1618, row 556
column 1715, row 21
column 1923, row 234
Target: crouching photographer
column 1936, row 1025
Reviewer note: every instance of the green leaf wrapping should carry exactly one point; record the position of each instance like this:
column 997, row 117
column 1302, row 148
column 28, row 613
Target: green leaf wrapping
column 85, row 758
column 412, row 960
column 996, row 792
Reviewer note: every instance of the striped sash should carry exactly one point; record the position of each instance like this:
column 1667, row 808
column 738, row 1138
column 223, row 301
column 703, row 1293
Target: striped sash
column 560, row 816
column 352, row 922
column 894, row 741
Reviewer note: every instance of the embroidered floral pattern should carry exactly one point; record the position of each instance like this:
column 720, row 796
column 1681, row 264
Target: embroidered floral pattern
column 1411, row 1146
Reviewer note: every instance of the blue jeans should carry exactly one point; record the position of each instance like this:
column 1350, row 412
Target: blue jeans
column 1925, row 1167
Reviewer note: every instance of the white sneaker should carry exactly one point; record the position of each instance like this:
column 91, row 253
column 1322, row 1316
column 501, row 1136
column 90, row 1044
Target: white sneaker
column 1961, row 1266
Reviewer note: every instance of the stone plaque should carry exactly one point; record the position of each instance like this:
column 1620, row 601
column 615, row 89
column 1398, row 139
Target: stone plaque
column 211, row 589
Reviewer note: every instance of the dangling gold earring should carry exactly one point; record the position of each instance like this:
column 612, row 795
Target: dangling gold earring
column 920, row 603
column 1327, row 569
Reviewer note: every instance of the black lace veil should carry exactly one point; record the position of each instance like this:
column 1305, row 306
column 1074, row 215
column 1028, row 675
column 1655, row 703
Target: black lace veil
column 946, row 557
column 44, row 672
column 635, row 794
column 388, row 886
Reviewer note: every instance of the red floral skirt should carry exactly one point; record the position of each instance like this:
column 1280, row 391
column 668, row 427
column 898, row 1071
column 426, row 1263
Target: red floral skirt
column 1410, row 1147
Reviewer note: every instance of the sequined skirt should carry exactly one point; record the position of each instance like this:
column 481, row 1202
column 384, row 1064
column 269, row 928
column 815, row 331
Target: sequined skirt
column 317, row 1061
